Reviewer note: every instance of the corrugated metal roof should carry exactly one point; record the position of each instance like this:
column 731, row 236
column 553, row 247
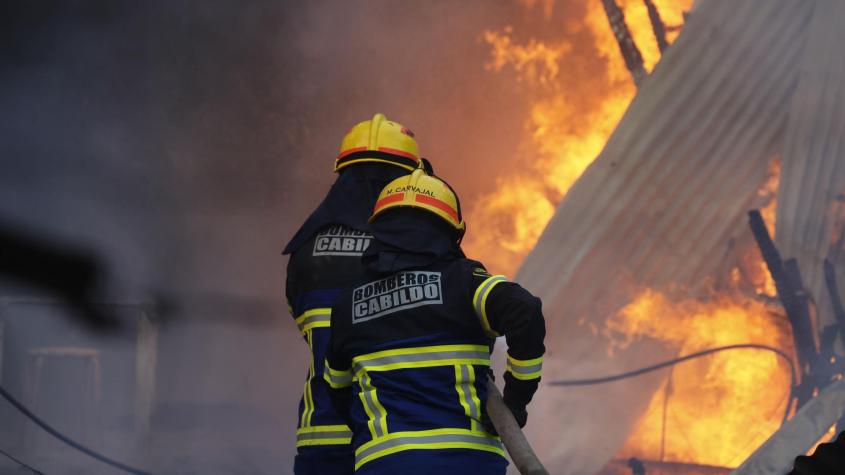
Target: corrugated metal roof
column 811, row 205
column 659, row 206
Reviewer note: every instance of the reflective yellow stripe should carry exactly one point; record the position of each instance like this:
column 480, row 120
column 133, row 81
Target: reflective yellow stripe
column 314, row 318
column 473, row 396
column 463, row 357
column 525, row 369
column 463, row 395
column 479, row 301
column 465, row 386
column 375, row 411
column 422, row 357
column 427, row 440
column 323, row 435
column 307, row 396
column 337, row 379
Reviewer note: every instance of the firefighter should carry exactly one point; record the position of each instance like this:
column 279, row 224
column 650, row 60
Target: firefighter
column 325, row 256
column 409, row 354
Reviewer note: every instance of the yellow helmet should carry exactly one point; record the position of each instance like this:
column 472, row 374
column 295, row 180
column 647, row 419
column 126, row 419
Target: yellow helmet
column 379, row 140
column 422, row 191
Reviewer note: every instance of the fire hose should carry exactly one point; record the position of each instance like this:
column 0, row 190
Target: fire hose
column 514, row 440
column 523, row 455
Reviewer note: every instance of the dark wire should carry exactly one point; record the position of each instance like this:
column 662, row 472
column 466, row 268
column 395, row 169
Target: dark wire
column 681, row 359
column 67, row 440
column 563, row 382
column 9, row 456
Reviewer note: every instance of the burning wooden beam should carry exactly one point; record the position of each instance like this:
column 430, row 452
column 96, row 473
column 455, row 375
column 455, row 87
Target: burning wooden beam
column 632, row 55
column 834, row 363
column 811, row 208
column 835, row 299
column 657, row 25
column 796, row 437
column 791, row 294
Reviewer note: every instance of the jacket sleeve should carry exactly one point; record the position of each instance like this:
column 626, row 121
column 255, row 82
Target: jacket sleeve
column 506, row 309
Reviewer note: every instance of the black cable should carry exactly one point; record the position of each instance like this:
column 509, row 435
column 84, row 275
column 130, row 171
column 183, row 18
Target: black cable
column 67, row 440
column 681, row 359
column 10, row 457
column 566, row 382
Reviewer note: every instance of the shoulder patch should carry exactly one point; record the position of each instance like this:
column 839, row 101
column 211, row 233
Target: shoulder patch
column 480, row 272
column 402, row 291
column 340, row 240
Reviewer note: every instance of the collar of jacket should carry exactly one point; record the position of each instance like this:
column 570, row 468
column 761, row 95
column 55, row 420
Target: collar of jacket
column 349, row 202
column 408, row 239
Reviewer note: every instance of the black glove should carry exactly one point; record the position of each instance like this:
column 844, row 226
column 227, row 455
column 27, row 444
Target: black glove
column 516, row 397
column 519, row 412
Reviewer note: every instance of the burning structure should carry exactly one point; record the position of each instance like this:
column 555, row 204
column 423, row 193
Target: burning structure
column 649, row 253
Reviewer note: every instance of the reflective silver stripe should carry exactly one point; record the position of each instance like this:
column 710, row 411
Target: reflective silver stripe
column 466, row 393
column 427, row 439
column 535, row 368
column 479, row 302
column 474, row 411
column 317, row 317
column 307, row 395
column 323, row 435
column 486, row 287
column 345, row 379
column 420, row 358
column 374, row 410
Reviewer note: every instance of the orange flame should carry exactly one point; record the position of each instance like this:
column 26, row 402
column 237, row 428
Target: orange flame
column 714, row 411
column 722, row 407
column 535, row 62
column 572, row 115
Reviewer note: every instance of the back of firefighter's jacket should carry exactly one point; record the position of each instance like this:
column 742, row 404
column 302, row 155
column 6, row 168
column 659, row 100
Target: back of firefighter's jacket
column 317, row 271
column 418, row 351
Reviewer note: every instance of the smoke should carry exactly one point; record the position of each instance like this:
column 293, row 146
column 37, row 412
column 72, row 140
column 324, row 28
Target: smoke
column 183, row 142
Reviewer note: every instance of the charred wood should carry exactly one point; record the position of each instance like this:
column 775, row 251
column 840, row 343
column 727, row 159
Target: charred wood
column 777, row 455
column 828, row 355
column 630, row 52
column 790, row 290
column 802, row 325
column 637, row 467
column 835, row 299
column 657, row 25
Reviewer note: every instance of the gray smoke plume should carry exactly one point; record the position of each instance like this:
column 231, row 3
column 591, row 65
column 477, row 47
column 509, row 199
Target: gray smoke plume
column 182, row 142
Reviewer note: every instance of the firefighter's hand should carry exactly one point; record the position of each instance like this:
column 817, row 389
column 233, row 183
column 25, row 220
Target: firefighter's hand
column 516, row 395
column 520, row 414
